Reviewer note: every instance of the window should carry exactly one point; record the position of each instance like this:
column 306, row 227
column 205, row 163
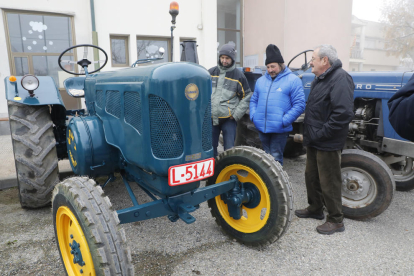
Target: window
column 148, row 47
column 35, row 41
column 119, row 51
column 229, row 26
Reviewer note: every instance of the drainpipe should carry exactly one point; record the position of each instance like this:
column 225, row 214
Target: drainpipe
column 94, row 35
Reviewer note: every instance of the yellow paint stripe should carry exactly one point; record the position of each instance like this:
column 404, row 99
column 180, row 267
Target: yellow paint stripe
column 239, row 83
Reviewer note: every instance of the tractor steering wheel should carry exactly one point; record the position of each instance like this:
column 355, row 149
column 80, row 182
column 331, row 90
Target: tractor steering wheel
column 83, row 62
column 305, row 66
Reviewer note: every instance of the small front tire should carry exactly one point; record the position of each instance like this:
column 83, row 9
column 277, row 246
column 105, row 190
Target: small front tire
column 89, row 239
column 367, row 185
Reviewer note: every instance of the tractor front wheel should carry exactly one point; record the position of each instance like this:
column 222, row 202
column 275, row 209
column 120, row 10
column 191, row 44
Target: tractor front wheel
column 86, row 230
column 367, row 185
column 404, row 174
column 270, row 217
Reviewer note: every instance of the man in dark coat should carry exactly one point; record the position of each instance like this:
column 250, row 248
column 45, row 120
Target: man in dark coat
column 328, row 112
column 401, row 107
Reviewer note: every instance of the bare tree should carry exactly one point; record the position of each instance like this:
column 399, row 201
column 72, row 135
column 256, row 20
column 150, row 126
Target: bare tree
column 398, row 17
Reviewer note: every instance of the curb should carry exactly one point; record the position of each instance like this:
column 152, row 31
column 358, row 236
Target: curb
column 7, row 183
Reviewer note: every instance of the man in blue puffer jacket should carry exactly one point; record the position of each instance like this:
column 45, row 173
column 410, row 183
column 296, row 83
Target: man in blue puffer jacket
column 277, row 101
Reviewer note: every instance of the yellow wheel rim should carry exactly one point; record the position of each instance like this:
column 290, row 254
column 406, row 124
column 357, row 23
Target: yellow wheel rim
column 254, row 219
column 67, row 225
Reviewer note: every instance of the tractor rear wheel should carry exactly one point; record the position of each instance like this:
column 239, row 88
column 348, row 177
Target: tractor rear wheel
column 86, row 230
column 270, row 218
column 34, row 148
column 367, row 185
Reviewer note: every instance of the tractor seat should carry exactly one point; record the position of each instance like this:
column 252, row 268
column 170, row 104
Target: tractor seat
column 75, row 86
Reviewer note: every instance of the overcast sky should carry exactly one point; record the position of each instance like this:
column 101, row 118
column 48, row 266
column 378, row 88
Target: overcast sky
column 368, row 9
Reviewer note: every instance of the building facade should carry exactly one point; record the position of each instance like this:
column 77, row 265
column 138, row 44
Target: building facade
column 368, row 51
column 35, row 33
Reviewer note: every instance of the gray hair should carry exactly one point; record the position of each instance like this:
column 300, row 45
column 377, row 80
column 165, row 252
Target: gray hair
column 326, row 50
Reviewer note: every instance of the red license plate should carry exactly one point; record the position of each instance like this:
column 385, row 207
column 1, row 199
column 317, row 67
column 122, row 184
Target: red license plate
column 190, row 172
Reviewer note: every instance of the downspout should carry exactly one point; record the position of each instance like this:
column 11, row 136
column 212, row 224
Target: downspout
column 94, row 36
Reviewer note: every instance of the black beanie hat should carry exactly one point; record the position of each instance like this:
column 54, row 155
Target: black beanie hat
column 229, row 51
column 273, row 54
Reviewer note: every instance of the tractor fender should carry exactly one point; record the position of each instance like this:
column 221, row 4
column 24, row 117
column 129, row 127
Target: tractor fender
column 46, row 94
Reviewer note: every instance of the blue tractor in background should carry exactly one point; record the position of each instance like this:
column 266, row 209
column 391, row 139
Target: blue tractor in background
column 375, row 160
column 150, row 125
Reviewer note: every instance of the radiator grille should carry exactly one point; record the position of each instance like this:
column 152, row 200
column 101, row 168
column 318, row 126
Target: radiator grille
column 100, row 98
column 132, row 110
column 113, row 103
column 166, row 136
column 207, row 129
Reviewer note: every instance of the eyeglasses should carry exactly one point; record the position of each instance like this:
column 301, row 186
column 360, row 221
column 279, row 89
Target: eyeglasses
column 313, row 59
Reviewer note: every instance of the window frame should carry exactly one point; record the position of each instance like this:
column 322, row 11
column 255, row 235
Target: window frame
column 121, row 37
column 29, row 56
column 238, row 31
column 157, row 38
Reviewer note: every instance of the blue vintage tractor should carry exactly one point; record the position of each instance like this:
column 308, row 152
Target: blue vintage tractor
column 375, row 160
column 151, row 125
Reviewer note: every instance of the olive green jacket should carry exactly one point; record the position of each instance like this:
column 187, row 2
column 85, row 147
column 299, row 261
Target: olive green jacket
column 231, row 93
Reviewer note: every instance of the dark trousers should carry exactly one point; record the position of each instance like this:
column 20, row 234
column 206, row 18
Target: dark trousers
column 324, row 182
column 274, row 144
column 228, row 126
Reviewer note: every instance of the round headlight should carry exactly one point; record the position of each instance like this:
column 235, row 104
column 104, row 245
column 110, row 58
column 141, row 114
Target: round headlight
column 30, row 82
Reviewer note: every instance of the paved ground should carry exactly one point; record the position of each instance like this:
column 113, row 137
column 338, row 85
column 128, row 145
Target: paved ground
column 380, row 246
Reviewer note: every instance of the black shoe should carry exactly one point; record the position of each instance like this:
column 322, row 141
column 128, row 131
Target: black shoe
column 304, row 213
column 329, row 228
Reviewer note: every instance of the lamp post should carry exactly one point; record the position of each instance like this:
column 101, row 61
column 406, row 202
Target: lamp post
column 174, row 13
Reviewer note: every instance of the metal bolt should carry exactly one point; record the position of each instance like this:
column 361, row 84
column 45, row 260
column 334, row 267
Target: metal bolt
column 136, row 214
column 81, row 271
column 148, row 213
column 71, row 236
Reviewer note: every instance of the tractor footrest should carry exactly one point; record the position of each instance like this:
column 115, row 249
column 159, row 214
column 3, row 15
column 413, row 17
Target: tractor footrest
column 183, row 213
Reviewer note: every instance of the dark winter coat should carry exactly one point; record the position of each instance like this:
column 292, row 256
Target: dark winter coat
column 329, row 110
column 277, row 103
column 401, row 107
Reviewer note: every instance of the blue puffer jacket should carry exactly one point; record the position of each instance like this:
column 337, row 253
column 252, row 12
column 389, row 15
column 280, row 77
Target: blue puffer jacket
column 275, row 105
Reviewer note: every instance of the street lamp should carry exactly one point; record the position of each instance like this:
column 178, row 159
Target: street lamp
column 174, row 12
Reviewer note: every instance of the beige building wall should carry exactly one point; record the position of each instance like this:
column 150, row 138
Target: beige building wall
column 295, row 26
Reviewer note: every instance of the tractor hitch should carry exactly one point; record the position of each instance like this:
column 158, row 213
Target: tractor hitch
column 175, row 207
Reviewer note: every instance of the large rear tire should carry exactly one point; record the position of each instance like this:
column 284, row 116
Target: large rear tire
column 87, row 231
column 270, row 219
column 34, row 148
column 367, row 185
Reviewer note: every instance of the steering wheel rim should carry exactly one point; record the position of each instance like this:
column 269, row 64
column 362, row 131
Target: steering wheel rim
column 303, row 52
column 77, row 46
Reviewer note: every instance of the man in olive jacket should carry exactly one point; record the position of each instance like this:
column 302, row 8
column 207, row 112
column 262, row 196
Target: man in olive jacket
column 230, row 97
column 328, row 112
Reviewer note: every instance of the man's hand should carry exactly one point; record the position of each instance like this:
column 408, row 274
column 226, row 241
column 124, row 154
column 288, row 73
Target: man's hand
column 231, row 117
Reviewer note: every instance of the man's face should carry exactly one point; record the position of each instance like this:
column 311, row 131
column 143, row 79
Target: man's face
column 319, row 65
column 225, row 60
column 273, row 69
